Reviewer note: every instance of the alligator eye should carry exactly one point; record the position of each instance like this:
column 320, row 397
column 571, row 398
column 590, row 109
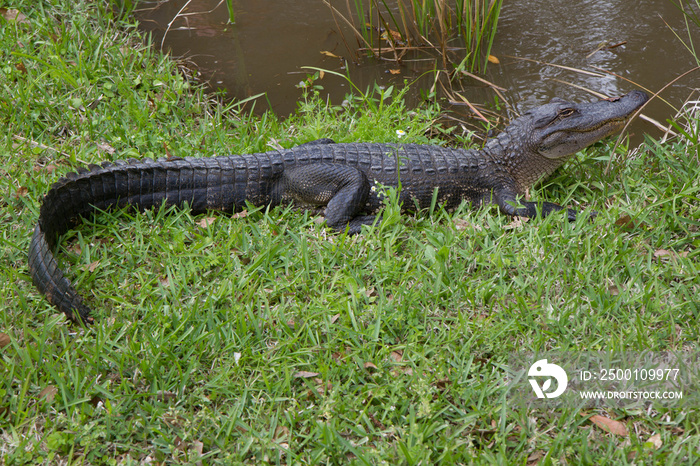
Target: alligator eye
column 567, row 112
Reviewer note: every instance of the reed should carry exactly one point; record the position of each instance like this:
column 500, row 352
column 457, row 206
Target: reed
column 458, row 30
column 692, row 15
column 231, row 13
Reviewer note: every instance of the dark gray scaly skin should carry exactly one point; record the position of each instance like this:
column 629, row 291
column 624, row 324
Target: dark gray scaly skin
column 339, row 177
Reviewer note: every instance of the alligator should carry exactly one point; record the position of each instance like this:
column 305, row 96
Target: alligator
column 342, row 180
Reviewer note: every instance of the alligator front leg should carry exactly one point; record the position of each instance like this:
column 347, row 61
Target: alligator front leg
column 511, row 205
column 343, row 190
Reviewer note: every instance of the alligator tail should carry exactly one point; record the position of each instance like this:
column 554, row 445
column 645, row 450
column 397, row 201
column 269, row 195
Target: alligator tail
column 49, row 279
column 216, row 183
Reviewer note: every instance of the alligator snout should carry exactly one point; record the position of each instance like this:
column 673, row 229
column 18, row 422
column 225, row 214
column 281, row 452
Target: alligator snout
column 641, row 96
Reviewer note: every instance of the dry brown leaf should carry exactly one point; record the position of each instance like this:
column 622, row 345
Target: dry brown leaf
column 516, row 223
column 11, row 14
column 103, row 146
column 206, row 221
column 535, row 457
column 335, row 318
column 198, row 447
column 49, row 393
column 305, row 375
column 21, row 192
column 494, row 60
column 369, row 365
column 164, row 395
column 625, row 222
column 610, row 425
column 281, row 433
column 662, row 253
column 4, row 340
column 396, row 356
column 443, row 383
column 395, row 35
column 461, row 225
column 375, row 422
column 329, row 54
column 656, row 441
column 92, row 266
column 659, row 253
column 241, row 214
column 322, row 387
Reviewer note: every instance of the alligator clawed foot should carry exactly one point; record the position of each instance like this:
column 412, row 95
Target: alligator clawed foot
column 571, row 215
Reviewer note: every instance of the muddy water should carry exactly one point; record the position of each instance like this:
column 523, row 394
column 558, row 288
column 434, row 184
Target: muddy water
column 570, row 34
column 272, row 40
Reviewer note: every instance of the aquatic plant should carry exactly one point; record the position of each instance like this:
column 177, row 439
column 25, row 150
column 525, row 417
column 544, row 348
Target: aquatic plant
column 460, row 31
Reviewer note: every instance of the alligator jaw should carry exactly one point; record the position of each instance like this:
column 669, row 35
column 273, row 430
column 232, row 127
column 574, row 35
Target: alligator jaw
column 562, row 128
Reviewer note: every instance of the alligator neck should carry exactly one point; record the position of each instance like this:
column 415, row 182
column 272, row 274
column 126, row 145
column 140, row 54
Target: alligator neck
column 509, row 152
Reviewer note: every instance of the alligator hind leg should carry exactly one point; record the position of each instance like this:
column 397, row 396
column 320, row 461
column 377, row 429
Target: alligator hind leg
column 342, row 189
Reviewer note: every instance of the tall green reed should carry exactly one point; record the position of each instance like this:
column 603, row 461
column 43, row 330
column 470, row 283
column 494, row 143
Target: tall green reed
column 443, row 25
column 231, row 13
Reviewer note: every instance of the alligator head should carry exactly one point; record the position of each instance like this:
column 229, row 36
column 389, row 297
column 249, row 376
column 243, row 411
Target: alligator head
column 543, row 138
column 561, row 128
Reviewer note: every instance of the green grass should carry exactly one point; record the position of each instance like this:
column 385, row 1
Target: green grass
column 270, row 339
